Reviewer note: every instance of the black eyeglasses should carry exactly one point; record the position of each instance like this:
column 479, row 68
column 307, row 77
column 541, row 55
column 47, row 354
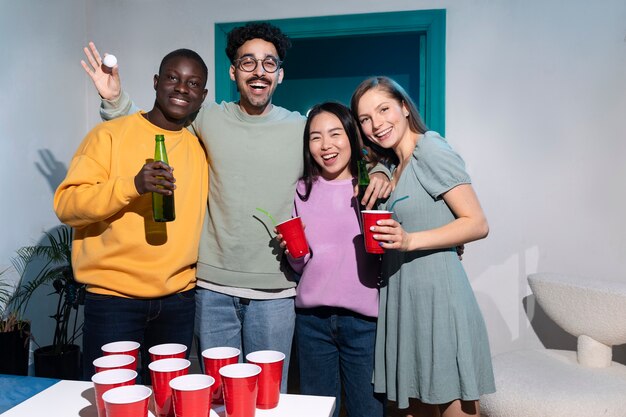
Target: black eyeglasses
column 249, row 64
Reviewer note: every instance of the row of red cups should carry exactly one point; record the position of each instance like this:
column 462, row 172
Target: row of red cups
column 117, row 369
column 245, row 386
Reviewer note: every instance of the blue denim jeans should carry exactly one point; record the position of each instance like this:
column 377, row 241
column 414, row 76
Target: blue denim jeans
column 335, row 351
column 248, row 325
column 147, row 321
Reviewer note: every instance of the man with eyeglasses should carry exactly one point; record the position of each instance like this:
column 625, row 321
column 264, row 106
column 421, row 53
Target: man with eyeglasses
column 245, row 296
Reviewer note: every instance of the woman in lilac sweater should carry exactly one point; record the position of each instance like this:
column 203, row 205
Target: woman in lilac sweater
column 337, row 296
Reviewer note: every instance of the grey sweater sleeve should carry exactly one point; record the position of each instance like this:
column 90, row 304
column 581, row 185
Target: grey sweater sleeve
column 121, row 106
column 380, row 168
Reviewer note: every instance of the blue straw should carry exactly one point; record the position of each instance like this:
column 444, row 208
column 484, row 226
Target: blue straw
column 394, row 203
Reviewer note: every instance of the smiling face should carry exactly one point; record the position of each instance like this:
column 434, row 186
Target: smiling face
column 330, row 146
column 179, row 92
column 257, row 87
column 383, row 119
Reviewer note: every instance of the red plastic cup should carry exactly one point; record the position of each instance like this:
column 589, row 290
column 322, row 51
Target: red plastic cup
column 293, row 235
column 162, row 372
column 191, row 395
column 121, row 348
column 271, row 363
column 213, row 359
column 240, row 384
column 107, row 362
column 127, row 401
column 370, row 217
column 167, row 350
column 109, row 379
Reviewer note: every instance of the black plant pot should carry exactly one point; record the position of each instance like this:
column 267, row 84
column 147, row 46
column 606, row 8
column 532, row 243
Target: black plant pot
column 63, row 365
column 14, row 347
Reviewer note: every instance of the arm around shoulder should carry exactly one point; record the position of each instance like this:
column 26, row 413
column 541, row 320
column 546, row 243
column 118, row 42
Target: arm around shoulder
column 117, row 107
column 380, row 168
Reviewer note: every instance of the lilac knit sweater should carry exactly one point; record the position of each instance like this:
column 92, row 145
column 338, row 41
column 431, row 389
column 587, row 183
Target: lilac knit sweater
column 338, row 273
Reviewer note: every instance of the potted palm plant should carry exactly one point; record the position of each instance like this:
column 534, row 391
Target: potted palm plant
column 17, row 286
column 61, row 359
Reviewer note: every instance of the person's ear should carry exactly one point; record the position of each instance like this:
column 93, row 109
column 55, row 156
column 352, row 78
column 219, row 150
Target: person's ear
column 156, row 81
column 405, row 109
column 281, row 74
column 204, row 93
column 231, row 71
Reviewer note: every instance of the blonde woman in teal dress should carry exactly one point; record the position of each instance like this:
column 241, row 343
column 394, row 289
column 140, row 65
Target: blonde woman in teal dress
column 432, row 352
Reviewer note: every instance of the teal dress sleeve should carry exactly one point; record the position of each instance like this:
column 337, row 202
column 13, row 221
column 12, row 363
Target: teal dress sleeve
column 437, row 166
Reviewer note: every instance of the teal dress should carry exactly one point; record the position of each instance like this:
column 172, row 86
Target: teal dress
column 431, row 342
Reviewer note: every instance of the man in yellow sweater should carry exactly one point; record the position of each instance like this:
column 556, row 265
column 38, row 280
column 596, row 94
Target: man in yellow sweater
column 140, row 274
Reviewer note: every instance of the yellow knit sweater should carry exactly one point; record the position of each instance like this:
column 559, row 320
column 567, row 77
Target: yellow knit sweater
column 118, row 249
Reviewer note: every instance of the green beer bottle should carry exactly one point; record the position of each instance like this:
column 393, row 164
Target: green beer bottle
column 162, row 205
column 363, row 179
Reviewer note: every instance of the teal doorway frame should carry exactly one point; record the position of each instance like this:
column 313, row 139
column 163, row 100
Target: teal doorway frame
column 430, row 24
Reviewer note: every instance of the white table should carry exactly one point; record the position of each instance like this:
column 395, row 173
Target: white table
column 76, row 399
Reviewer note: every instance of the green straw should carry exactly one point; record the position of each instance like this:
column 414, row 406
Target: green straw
column 396, row 200
column 268, row 215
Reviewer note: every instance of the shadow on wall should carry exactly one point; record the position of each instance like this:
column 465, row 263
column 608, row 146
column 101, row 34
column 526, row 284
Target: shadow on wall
column 500, row 335
column 552, row 336
column 53, row 170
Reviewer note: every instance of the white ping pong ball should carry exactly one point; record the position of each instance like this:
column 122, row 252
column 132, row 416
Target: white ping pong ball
column 109, row 61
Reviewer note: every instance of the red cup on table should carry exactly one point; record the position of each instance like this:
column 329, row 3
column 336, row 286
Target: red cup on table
column 121, row 348
column 370, row 217
column 293, row 235
column 162, row 372
column 109, row 379
column 191, row 395
column 107, row 362
column 127, row 401
column 240, row 385
column 271, row 364
column 213, row 359
column 167, row 350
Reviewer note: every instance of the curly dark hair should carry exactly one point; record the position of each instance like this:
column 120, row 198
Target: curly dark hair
column 254, row 30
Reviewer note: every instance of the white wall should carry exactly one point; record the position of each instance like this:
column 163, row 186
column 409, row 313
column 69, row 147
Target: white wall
column 42, row 117
column 42, row 107
column 535, row 97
